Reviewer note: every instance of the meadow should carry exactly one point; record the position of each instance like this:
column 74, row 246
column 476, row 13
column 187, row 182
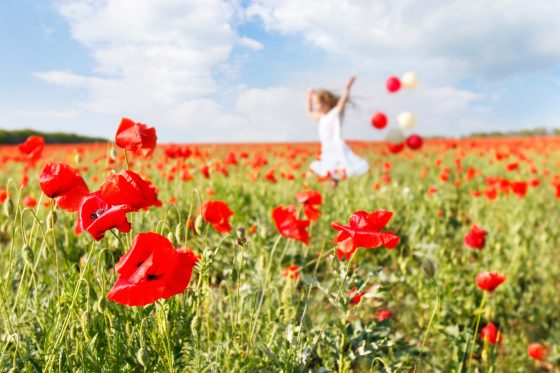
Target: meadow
column 262, row 299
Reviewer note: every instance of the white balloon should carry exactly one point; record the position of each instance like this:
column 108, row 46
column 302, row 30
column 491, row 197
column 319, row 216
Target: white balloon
column 409, row 80
column 406, row 120
column 395, row 136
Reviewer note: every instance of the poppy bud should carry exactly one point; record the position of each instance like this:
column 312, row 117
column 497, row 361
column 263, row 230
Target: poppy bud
column 241, row 236
column 171, row 237
column 51, row 219
column 27, row 254
column 180, row 231
column 429, row 266
column 113, row 153
column 199, row 225
column 195, row 325
column 77, row 158
column 8, row 207
column 49, row 238
column 142, row 356
column 5, row 227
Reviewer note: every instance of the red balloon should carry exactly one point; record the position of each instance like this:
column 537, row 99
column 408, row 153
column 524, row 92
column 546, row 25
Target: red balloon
column 395, row 148
column 379, row 120
column 393, row 84
column 414, row 142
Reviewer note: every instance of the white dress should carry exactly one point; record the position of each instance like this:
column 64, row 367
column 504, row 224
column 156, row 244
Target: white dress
column 336, row 156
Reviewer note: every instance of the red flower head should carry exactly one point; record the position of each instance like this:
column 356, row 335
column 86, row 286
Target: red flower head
column 395, row 148
column 29, row 201
column 291, row 272
column 355, row 296
column 287, row 223
column 217, row 213
column 364, row 231
column 64, row 184
column 536, row 351
column 476, row 238
column 128, row 188
column 519, row 188
column 310, row 199
column 491, row 334
column 136, row 137
column 489, row 281
column 384, row 314
column 152, row 269
column 96, row 217
column 32, row 148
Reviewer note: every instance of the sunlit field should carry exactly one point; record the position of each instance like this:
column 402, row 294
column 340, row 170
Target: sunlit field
column 280, row 294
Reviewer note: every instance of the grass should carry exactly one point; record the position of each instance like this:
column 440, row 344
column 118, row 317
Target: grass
column 240, row 314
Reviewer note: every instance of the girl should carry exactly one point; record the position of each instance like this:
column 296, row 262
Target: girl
column 337, row 159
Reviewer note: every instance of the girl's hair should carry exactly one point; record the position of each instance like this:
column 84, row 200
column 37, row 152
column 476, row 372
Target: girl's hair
column 327, row 97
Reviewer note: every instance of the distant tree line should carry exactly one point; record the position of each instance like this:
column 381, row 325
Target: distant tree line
column 19, row 136
column 539, row 131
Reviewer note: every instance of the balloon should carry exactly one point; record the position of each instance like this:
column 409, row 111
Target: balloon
column 395, row 136
column 393, row 84
column 414, row 142
column 409, row 80
column 395, row 148
column 406, row 120
column 379, row 120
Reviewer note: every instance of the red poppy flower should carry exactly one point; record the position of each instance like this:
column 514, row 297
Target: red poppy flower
column 491, row 334
column 364, row 231
column 32, row 148
column 217, row 213
column 355, row 296
column 476, row 238
column 128, row 188
column 395, row 148
column 152, row 269
column 536, row 351
column 64, row 184
column 291, row 272
column 136, row 137
column 3, row 195
column 96, row 217
column 489, row 281
column 287, row 223
column 29, row 201
column 309, row 199
column 384, row 314
column 519, row 188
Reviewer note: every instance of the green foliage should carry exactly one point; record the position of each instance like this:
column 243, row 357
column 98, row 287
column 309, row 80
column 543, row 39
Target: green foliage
column 241, row 314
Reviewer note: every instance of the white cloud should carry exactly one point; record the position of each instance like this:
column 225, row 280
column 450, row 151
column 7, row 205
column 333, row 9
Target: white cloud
column 488, row 39
column 250, row 43
column 173, row 63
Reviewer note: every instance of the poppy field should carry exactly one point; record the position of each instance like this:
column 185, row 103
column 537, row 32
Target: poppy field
column 139, row 256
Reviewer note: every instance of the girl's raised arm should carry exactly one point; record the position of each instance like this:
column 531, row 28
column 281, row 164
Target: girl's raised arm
column 310, row 111
column 341, row 104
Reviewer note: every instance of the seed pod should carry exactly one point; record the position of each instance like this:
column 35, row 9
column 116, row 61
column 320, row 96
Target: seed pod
column 27, row 254
column 143, row 356
column 199, row 225
column 8, row 207
column 171, row 237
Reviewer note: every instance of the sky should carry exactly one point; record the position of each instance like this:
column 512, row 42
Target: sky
column 238, row 70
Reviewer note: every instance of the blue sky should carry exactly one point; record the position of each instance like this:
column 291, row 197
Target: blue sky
column 209, row 70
